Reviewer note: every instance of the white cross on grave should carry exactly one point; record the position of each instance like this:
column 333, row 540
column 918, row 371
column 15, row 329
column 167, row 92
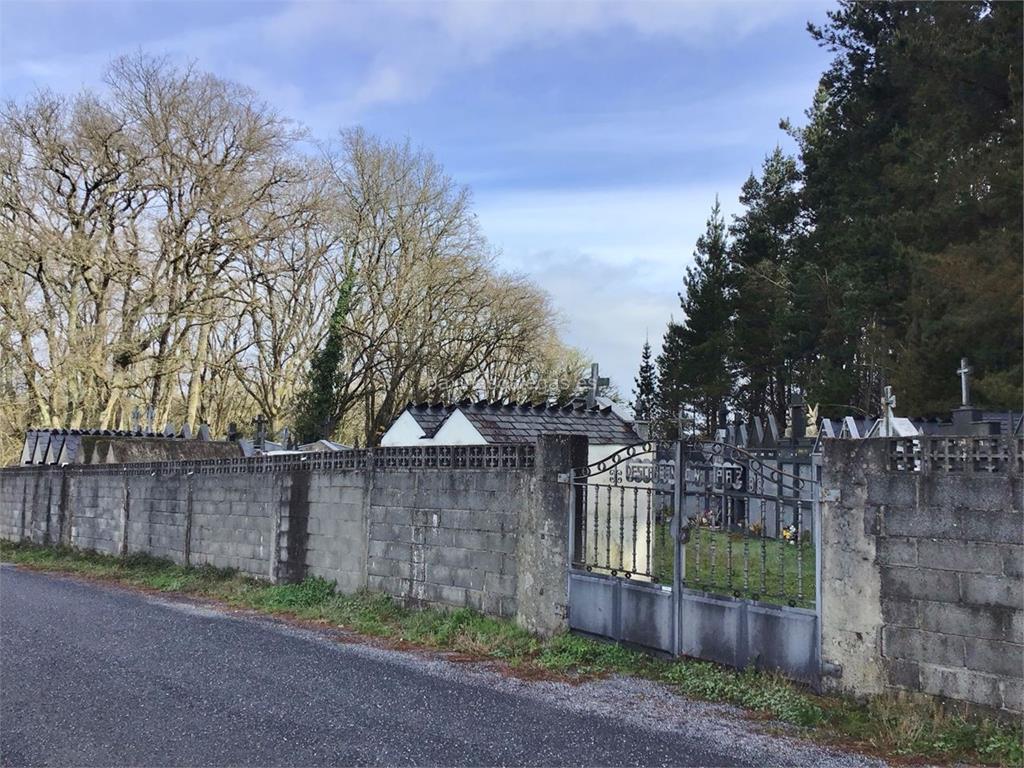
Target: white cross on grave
column 889, row 399
column 888, row 404
column 965, row 382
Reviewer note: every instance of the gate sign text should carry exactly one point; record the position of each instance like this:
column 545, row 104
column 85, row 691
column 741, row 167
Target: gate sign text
column 658, row 473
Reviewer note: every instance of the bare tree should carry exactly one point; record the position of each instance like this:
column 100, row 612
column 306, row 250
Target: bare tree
column 172, row 243
column 430, row 314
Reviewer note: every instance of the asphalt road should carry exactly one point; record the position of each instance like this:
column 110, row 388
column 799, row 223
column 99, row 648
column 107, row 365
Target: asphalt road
column 96, row 675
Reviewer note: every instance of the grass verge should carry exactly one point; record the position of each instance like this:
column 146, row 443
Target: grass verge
column 887, row 726
column 724, row 563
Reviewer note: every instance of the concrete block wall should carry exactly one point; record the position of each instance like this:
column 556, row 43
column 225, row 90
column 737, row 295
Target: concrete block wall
column 448, row 538
column 921, row 579
column 446, row 535
column 235, row 520
column 336, row 530
column 26, row 506
column 89, row 525
column 225, row 520
column 156, row 519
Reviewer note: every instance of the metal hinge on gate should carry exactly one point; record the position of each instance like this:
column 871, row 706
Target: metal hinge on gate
column 564, row 477
column 830, row 495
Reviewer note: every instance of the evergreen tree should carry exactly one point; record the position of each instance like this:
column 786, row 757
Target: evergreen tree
column 913, row 177
column 316, row 411
column 693, row 368
column 893, row 249
column 763, row 259
column 671, row 387
column 644, row 393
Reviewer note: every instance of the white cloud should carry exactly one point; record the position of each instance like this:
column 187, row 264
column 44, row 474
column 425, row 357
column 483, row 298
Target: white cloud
column 698, row 125
column 607, row 308
column 658, row 224
column 417, row 43
column 408, row 47
column 612, row 259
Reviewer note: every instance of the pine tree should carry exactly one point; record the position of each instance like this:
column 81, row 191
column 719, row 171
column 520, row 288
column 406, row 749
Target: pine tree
column 913, row 176
column 672, row 391
column 644, row 393
column 893, row 249
column 693, row 368
column 763, row 259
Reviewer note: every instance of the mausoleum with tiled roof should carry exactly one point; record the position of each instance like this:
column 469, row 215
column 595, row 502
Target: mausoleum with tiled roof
column 501, row 423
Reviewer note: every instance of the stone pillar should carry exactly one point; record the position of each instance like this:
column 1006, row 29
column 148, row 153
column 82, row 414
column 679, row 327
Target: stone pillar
column 187, row 554
column 65, row 511
column 542, row 549
column 126, row 503
column 851, row 620
column 293, row 531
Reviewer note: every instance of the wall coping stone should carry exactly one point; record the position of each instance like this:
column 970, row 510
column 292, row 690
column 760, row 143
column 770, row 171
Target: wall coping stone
column 519, row 456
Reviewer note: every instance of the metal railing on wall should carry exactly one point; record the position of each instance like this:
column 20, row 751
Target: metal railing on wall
column 622, row 531
column 623, row 506
column 519, row 456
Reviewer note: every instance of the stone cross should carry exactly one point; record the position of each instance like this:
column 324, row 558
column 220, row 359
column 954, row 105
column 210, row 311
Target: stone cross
column 888, row 404
column 965, row 382
column 595, row 383
column 261, row 431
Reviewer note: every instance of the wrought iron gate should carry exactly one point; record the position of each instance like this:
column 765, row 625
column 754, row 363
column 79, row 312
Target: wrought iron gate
column 623, row 546
column 699, row 548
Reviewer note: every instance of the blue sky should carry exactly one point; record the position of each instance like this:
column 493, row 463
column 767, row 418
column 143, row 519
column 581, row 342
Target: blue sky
column 595, row 135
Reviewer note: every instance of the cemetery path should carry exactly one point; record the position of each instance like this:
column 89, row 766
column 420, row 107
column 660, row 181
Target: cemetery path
column 97, row 675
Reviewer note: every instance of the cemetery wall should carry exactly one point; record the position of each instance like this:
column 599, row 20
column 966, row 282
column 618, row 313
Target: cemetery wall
column 447, row 539
column 408, row 522
column 921, row 577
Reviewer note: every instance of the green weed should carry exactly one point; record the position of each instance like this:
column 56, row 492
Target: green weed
column 906, row 725
column 760, row 691
column 570, row 653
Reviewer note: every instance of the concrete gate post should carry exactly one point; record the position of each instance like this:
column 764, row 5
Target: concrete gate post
column 542, row 548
